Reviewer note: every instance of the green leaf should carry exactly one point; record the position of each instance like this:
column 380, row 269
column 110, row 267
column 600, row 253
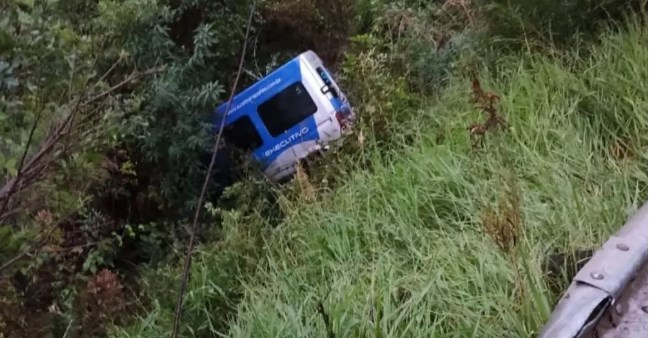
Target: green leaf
column 11, row 82
column 25, row 18
column 28, row 3
column 10, row 167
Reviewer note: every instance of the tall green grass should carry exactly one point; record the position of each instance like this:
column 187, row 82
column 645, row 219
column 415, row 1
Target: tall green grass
column 403, row 250
column 400, row 252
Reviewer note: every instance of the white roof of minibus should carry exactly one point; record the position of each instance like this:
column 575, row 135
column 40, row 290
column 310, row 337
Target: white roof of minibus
column 311, row 58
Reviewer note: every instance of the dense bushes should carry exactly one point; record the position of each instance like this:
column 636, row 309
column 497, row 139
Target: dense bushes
column 58, row 112
column 120, row 195
column 120, row 111
column 547, row 23
column 167, row 134
column 247, row 215
column 114, row 195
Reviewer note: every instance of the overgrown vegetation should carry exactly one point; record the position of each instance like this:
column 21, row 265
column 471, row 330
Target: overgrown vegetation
column 484, row 145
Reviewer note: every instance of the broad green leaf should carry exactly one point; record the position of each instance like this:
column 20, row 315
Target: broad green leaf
column 10, row 167
column 25, row 18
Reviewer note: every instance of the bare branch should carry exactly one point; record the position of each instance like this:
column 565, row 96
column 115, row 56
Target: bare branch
column 45, row 235
column 75, row 120
column 12, row 187
column 134, row 76
column 110, row 70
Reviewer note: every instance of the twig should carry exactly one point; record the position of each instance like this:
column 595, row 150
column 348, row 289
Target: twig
column 110, row 70
column 486, row 102
column 130, row 78
column 33, row 169
column 15, row 259
column 67, row 330
column 326, row 320
column 187, row 264
column 251, row 74
column 6, row 265
column 13, row 183
column 81, row 246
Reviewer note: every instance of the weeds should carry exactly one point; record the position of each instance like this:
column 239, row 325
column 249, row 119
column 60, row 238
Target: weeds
column 104, row 299
column 550, row 23
column 429, row 242
column 419, row 222
column 486, row 101
column 305, row 190
column 326, row 320
column 503, row 224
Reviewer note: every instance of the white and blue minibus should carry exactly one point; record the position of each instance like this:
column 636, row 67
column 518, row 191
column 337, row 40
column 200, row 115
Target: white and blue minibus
column 293, row 112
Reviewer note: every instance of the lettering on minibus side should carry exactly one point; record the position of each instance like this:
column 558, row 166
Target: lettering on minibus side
column 285, row 142
column 254, row 96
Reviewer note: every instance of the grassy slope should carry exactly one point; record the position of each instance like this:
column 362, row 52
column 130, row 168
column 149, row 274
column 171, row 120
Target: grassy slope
column 401, row 250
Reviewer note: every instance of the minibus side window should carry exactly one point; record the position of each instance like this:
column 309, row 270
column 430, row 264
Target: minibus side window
column 242, row 134
column 286, row 109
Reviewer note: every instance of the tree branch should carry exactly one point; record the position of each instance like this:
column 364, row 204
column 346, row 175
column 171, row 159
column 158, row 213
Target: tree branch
column 12, row 187
column 32, row 169
column 6, row 265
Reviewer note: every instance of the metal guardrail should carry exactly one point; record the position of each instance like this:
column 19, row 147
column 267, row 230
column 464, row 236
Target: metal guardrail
column 600, row 284
column 628, row 318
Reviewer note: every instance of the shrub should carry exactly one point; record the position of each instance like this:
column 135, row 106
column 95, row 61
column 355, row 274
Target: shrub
column 247, row 214
column 167, row 133
column 541, row 23
column 293, row 26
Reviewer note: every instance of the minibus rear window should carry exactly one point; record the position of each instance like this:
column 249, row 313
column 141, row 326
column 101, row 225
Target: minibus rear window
column 286, row 109
column 242, row 134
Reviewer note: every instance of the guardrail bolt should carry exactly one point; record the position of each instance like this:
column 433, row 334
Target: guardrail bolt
column 597, row 275
column 622, row 246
